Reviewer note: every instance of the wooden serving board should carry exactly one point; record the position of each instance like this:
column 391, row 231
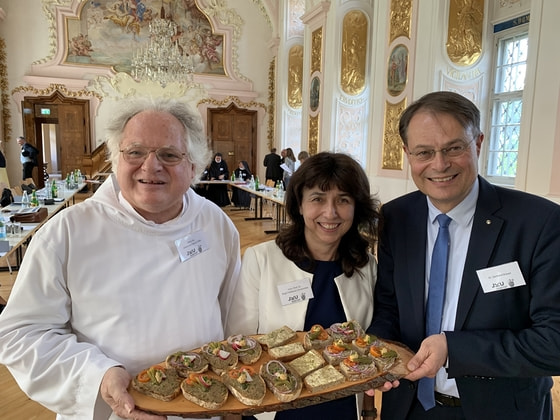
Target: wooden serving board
column 181, row 407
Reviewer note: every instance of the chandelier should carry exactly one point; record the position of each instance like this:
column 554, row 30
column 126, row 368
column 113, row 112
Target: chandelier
column 162, row 60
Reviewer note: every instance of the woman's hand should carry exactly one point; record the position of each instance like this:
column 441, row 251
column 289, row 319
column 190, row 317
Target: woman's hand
column 387, row 386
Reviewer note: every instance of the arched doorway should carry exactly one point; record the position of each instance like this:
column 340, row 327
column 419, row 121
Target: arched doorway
column 233, row 132
column 59, row 127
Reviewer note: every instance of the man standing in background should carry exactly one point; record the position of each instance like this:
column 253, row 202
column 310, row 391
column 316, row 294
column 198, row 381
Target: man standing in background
column 272, row 163
column 28, row 157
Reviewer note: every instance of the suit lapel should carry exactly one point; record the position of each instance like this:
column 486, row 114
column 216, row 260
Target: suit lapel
column 417, row 239
column 484, row 236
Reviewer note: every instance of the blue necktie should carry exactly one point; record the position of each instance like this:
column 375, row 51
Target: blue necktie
column 434, row 305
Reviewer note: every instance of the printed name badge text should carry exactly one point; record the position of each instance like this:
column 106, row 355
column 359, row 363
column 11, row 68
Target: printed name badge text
column 295, row 291
column 191, row 245
column 500, row 277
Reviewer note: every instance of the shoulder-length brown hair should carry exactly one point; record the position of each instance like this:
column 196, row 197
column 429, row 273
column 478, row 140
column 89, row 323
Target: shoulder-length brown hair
column 328, row 170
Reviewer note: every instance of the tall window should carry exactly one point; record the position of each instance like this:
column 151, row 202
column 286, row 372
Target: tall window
column 507, row 105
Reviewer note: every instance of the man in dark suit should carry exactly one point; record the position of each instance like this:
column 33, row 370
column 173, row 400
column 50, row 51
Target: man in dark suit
column 28, row 157
column 500, row 326
column 272, row 163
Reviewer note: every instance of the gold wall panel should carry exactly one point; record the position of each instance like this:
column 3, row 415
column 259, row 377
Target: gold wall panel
column 295, row 76
column 271, row 101
column 464, row 33
column 316, row 50
column 401, row 15
column 4, row 97
column 354, row 48
column 392, row 153
column 313, row 135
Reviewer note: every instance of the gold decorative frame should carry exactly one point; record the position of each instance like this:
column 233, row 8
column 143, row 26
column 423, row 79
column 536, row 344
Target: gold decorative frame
column 392, row 153
column 354, row 52
column 464, row 33
column 295, row 76
column 32, row 91
column 397, row 70
column 235, row 100
column 5, row 98
column 401, row 18
column 316, row 50
column 271, row 102
column 313, row 136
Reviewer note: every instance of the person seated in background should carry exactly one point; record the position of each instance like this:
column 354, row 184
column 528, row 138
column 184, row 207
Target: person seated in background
column 218, row 171
column 202, row 189
column 326, row 248
column 239, row 197
column 109, row 286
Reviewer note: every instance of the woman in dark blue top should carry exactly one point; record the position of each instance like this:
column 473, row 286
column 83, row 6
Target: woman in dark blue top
column 326, row 251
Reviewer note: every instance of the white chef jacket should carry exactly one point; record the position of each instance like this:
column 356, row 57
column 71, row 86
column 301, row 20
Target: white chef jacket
column 100, row 286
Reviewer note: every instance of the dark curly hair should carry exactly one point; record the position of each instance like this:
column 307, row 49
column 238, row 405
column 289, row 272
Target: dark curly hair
column 328, row 170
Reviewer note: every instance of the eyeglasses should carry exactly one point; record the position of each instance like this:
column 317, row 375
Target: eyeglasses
column 136, row 155
column 451, row 152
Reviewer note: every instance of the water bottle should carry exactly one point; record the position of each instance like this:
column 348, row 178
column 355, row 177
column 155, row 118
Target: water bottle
column 2, row 230
column 252, row 182
column 25, row 200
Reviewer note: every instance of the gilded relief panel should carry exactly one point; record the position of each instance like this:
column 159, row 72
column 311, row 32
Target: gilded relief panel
column 313, row 135
column 354, row 51
column 392, row 153
column 295, row 76
column 316, row 50
column 401, row 15
column 464, row 34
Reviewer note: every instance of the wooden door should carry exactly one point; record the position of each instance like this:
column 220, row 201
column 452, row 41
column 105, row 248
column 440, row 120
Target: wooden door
column 233, row 133
column 71, row 140
column 71, row 116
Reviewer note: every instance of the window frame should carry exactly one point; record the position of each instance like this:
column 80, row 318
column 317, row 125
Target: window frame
column 496, row 98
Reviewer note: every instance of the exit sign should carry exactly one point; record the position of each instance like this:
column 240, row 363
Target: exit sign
column 45, row 111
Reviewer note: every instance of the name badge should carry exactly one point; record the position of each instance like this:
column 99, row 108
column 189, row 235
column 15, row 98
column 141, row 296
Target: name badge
column 191, row 245
column 500, row 277
column 295, row 291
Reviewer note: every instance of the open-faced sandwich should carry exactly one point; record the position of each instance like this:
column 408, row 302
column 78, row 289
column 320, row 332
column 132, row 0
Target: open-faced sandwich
column 277, row 337
column 362, row 343
column 284, row 384
column 204, row 390
column 309, row 362
column 358, row 366
column 383, row 357
column 324, row 378
column 245, row 384
column 186, row 362
column 346, row 331
column 158, row 382
column 316, row 338
column 220, row 356
column 287, row 351
column 337, row 351
column 248, row 349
